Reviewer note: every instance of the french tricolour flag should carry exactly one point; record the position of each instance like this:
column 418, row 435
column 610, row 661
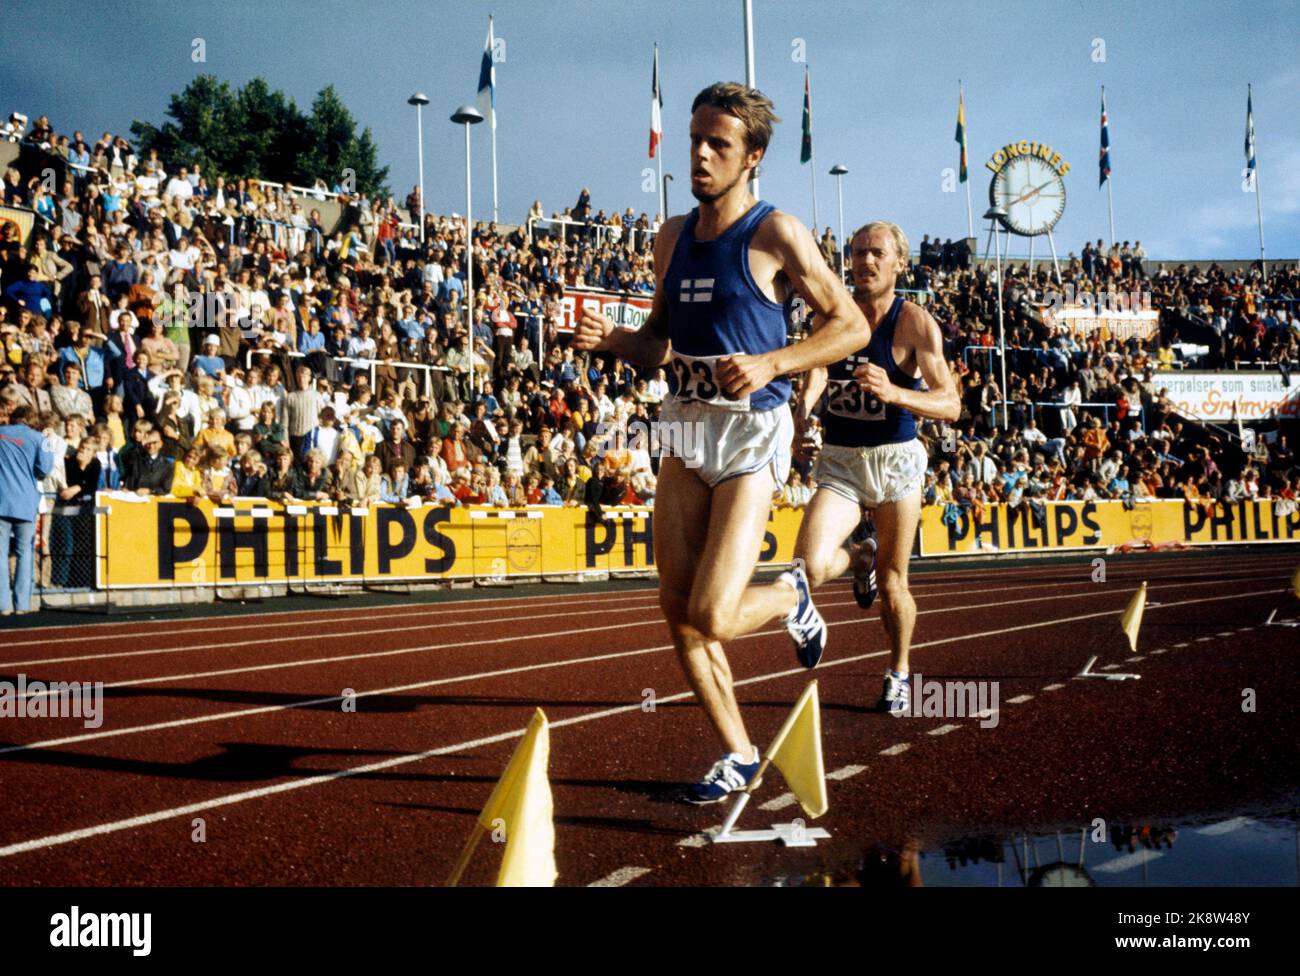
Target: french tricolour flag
column 656, row 109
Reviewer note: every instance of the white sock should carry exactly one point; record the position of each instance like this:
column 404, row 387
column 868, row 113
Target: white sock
column 788, row 578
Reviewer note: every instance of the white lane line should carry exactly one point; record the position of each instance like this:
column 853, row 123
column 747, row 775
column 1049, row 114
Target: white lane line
column 1126, row 862
column 1203, row 639
column 1060, row 573
column 313, row 638
column 1183, row 644
column 1053, row 687
column 845, row 772
column 243, row 712
column 921, row 577
column 1135, row 657
column 396, row 612
column 619, row 878
column 780, row 802
column 264, row 641
column 944, row 730
column 1225, row 633
column 1109, row 667
column 897, row 749
column 66, row 837
column 1227, row 827
column 1020, row 699
column 1160, row 650
column 984, row 713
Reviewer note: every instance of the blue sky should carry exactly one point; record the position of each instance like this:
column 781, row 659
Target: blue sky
column 573, row 97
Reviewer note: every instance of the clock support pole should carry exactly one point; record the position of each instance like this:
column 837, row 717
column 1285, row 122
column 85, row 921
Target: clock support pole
column 1056, row 265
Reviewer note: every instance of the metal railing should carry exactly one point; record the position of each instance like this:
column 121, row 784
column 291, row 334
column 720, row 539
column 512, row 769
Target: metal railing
column 1085, row 407
column 371, row 364
column 629, row 234
column 313, row 193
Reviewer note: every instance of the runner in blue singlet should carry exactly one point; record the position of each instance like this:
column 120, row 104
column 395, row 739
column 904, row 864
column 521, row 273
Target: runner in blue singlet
column 870, row 458
column 724, row 274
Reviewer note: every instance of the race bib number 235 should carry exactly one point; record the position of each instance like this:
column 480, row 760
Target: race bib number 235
column 696, row 380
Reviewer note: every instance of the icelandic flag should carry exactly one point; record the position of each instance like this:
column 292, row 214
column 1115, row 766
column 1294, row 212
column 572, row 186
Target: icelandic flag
column 487, row 81
column 656, row 109
column 1104, row 157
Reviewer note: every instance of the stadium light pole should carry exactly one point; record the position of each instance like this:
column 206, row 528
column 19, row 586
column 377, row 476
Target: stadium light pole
column 750, row 80
column 995, row 214
column 468, row 115
column 840, row 171
column 419, row 100
column 667, row 179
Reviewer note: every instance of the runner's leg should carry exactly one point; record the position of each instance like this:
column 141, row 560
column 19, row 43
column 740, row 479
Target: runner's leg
column 681, row 531
column 723, row 604
column 827, row 522
column 896, row 524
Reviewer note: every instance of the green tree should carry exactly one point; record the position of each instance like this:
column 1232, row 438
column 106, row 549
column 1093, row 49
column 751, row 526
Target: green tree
column 258, row 132
column 333, row 150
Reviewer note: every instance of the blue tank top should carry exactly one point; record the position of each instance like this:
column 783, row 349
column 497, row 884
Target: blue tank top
column 716, row 309
column 853, row 418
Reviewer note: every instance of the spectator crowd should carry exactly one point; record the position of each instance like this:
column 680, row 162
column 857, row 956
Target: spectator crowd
column 171, row 334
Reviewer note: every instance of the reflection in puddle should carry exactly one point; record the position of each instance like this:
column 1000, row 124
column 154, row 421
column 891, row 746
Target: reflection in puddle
column 1245, row 850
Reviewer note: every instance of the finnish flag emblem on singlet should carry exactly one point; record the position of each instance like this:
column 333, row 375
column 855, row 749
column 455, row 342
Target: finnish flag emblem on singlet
column 697, row 290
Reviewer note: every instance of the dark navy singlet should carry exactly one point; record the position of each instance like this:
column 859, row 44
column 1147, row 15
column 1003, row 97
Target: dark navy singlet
column 854, row 418
column 716, row 309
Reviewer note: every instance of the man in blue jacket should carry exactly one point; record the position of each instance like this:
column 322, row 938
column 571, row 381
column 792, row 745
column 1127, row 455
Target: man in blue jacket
column 24, row 460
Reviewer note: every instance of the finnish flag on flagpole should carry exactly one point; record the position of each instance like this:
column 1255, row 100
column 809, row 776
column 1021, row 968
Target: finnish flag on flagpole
column 487, row 81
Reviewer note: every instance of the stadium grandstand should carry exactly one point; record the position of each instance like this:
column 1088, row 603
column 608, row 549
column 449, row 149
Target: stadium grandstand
column 183, row 336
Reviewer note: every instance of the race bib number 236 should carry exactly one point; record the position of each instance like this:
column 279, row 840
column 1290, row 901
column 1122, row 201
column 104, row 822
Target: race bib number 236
column 845, row 398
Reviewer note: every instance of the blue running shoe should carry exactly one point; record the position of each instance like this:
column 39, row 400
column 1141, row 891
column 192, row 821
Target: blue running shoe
column 896, row 695
column 727, row 776
column 804, row 623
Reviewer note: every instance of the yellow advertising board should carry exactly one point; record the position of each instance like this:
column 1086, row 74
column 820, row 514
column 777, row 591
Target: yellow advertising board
column 1100, row 525
column 165, row 542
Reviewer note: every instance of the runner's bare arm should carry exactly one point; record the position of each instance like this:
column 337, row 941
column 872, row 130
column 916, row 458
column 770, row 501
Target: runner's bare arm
column 814, row 383
column 940, row 401
column 648, row 345
column 842, row 329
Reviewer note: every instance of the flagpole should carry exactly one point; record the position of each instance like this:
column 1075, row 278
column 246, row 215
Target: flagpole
column 1110, row 198
column 492, row 54
column 961, row 101
column 659, row 150
column 1110, row 211
column 494, row 164
column 466, row 853
column 749, row 70
column 812, row 159
column 1259, row 210
column 659, row 158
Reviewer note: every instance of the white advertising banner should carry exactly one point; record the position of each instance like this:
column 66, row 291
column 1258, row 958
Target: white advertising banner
column 1213, row 396
column 1119, row 324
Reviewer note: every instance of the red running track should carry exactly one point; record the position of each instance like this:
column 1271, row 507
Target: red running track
column 238, row 721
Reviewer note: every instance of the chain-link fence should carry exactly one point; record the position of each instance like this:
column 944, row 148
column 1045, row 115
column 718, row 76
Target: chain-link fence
column 65, row 549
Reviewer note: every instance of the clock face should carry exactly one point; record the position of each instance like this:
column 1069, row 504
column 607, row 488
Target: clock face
column 1031, row 192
